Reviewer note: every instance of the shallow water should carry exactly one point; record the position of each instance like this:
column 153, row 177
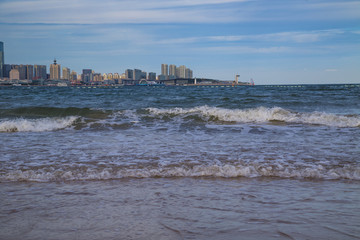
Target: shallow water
column 263, row 162
column 181, row 208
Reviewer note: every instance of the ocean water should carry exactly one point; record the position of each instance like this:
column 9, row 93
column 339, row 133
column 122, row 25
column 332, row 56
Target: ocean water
column 246, row 162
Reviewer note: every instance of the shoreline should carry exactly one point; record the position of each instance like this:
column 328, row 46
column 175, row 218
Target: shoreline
column 187, row 85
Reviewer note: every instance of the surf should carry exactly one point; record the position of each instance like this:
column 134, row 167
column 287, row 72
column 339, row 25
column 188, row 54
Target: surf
column 258, row 115
column 235, row 170
column 36, row 125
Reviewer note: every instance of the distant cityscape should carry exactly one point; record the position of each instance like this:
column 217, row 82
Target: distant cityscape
column 25, row 74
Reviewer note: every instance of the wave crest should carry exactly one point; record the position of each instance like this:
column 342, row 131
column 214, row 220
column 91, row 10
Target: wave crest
column 36, row 125
column 260, row 115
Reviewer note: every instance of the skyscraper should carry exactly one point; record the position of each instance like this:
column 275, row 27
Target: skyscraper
column 137, row 74
column 188, row 73
column 40, row 71
column 2, row 62
column 6, row 70
column 152, row 76
column 66, row 73
column 181, row 72
column 87, row 75
column 29, row 72
column 172, row 69
column 164, row 70
column 55, row 71
column 73, row 76
column 129, row 73
column 22, row 71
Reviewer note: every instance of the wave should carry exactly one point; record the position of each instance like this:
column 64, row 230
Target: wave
column 36, row 125
column 49, row 118
column 218, row 171
column 259, row 115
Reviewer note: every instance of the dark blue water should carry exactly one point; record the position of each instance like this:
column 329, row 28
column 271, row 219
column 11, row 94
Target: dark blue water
column 267, row 162
column 328, row 98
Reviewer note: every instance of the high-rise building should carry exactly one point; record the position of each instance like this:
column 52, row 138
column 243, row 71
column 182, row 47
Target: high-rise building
column 172, row 70
column 137, row 74
column 164, row 69
column 87, row 75
column 181, row 72
column 188, row 73
column 40, row 72
column 129, row 73
column 66, row 73
column 55, row 71
column 6, row 70
column 2, row 61
column 29, row 72
column 152, row 76
column 22, row 71
column 73, row 76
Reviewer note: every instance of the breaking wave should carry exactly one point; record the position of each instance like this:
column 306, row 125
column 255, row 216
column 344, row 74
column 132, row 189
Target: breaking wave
column 38, row 119
column 260, row 115
column 219, row 171
column 36, row 125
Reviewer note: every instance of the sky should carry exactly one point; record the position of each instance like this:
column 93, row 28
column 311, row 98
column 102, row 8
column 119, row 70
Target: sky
column 269, row 41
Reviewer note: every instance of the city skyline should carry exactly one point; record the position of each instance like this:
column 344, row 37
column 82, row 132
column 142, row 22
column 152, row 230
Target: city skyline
column 37, row 72
column 272, row 42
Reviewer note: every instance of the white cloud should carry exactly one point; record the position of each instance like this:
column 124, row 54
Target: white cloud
column 111, row 11
column 246, row 50
column 331, row 70
column 295, row 37
column 171, row 11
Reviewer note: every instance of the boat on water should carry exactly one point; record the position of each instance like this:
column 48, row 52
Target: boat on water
column 149, row 83
column 61, row 84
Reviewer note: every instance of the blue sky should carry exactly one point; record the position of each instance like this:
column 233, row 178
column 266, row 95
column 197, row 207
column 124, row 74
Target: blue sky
column 271, row 41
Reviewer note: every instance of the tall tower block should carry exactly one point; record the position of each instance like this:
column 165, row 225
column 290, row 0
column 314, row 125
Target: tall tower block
column 164, row 70
column 55, row 71
column 2, row 59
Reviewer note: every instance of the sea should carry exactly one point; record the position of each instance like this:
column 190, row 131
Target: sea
column 180, row 162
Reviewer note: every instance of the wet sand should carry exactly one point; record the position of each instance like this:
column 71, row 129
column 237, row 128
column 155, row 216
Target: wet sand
column 181, row 208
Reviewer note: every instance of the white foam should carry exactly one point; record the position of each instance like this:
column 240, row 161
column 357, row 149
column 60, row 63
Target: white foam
column 262, row 115
column 36, row 125
column 222, row 171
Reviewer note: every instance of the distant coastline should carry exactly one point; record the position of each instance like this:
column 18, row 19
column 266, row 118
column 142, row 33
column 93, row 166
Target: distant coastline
column 127, row 82
column 215, row 84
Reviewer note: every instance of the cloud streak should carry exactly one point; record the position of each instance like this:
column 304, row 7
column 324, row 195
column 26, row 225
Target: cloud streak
column 169, row 11
column 248, row 50
column 110, row 11
column 294, row 37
